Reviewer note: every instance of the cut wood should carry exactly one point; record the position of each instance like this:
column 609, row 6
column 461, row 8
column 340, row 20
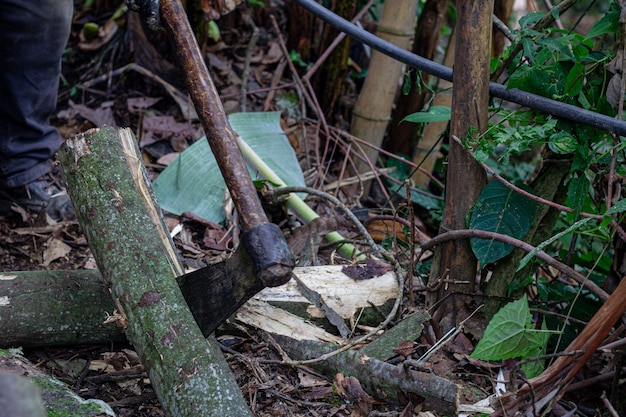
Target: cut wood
column 275, row 320
column 114, row 205
column 346, row 296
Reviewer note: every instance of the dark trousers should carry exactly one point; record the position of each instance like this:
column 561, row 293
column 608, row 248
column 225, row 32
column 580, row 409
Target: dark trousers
column 33, row 35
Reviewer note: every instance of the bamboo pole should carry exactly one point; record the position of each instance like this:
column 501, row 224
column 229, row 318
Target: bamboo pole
column 372, row 111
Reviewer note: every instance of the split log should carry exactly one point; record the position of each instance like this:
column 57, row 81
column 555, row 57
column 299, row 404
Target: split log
column 115, row 206
column 350, row 299
column 382, row 380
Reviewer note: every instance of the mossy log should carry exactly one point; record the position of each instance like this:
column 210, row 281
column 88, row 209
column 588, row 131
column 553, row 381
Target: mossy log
column 115, row 206
column 27, row 391
column 47, row 308
column 380, row 379
column 19, row 397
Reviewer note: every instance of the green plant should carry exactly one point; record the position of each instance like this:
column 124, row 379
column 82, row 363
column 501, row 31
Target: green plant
column 501, row 210
column 511, row 334
column 562, row 65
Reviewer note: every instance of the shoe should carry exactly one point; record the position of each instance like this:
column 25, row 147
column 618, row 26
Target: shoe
column 35, row 197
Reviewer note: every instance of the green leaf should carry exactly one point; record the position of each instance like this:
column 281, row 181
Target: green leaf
column 535, row 368
column 193, row 182
column 510, row 334
column 618, row 207
column 530, row 19
column 434, row 114
column 502, row 210
column 545, row 243
column 577, row 192
column 555, row 13
column 213, row 31
column 609, row 23
column 575, row 79
column 562, row 143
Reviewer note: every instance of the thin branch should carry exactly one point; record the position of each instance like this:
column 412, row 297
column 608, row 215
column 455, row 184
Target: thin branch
column 483, row 234
column 305, row 87
column 542, row 23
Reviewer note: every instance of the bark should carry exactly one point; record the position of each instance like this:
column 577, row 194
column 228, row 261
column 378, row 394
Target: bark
column 502, row 9
column 454, row 275
column 373, row 108
column 410, row 328
column 380, row 379
column 115, row 206
column 45, row 308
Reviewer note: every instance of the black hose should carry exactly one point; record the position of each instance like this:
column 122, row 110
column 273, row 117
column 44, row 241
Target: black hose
column 533, row 101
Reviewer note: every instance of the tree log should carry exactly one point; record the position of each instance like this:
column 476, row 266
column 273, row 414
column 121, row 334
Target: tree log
column 454, row 267
column 380, row 379
column 115, row 206
column 19, row 397
column 27, row 391
column 47, row 308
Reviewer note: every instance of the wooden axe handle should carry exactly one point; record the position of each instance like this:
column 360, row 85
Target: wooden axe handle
column 222, row 139
column 263, row 241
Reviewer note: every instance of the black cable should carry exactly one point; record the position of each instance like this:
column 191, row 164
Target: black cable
column 533, row 101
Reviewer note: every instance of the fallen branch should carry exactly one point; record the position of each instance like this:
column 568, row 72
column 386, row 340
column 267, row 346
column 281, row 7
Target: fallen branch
column 499, row 237
column 380, row 379
column 27, row 391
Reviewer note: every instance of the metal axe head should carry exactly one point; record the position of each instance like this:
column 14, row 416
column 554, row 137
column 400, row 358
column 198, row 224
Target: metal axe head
column 215, row 292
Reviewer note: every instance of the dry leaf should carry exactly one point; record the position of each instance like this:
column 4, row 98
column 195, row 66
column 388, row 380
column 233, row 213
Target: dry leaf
column 371, row 269
column 405, row 348
column 350, row 389
column 55, row 249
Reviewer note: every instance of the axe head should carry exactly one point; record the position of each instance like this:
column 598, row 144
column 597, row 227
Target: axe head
column 215, row 292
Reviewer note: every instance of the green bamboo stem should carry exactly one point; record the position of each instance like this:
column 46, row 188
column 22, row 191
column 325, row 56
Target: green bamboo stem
column 294, row 202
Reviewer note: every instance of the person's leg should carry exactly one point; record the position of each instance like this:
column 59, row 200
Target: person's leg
column 33, row 35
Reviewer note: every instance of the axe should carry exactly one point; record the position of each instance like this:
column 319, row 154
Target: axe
column 263, row 258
